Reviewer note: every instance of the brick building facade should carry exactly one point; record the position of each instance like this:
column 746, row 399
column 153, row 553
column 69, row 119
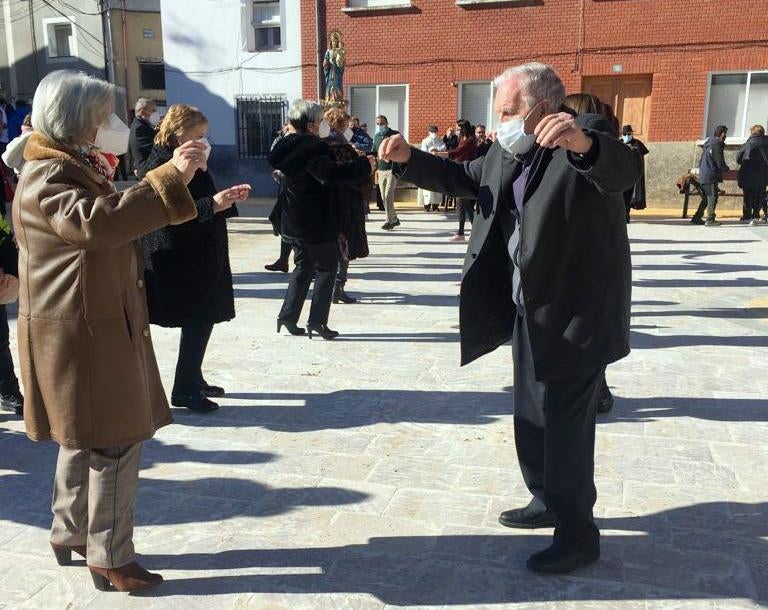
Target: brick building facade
column 672, row 69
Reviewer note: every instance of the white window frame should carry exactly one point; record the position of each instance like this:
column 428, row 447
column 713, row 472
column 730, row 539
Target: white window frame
column 386, row 5
column 53, row 21
column 403, row 130
column 491, row 120
column 251, row 27
column 743, row 127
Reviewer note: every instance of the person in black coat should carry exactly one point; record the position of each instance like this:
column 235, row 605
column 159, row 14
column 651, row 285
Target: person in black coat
column 186, row 267
column 309, row 219
column 350, row 202
column 549, row 267
column 143, row 131
column 634, row 198
column 10, row 394
column 753, row 174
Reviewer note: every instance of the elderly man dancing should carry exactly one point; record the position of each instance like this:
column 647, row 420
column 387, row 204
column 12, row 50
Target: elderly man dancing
column 548, row 266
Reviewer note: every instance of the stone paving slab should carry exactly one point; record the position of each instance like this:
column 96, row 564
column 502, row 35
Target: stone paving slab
column 368, row 473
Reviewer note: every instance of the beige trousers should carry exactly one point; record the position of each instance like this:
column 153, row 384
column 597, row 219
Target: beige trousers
column 93, row 502
column 387, row 186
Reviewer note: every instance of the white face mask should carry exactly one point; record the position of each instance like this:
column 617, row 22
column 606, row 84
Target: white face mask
column 325, row 129
column 512, row 137
column 154, row 119
column 207, row 147
column 112, row 136
column 349, row 134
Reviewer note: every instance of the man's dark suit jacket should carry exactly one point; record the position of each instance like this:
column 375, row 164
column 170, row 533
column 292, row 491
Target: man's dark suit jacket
column 574, row 259
column 141, row 141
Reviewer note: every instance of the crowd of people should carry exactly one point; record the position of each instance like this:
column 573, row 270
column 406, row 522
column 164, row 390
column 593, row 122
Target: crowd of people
column 96, row 267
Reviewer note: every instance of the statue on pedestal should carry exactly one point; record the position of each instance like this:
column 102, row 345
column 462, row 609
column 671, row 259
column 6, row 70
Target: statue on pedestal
column 334, row 63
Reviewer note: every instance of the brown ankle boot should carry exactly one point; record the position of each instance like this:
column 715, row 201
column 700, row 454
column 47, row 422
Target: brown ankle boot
column 64, row 553
column 131, row 577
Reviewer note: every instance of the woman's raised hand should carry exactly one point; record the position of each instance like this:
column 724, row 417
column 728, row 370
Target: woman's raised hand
column 223, row 200
column 188, row 158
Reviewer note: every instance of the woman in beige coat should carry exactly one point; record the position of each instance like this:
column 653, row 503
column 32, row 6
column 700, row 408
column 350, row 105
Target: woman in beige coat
column 86, row 358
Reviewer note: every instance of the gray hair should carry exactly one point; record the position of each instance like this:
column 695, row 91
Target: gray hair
column 69, row 105
column 304, row 112
column 144, row 103
column 538, row 82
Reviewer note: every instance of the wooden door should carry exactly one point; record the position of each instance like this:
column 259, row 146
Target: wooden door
column 630, row 97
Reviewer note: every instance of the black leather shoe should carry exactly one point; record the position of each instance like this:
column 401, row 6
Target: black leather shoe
column 211, row 391
column 291, row 327
column 562, row 559
column 278, row 265
column 13, row 400
column 529, row 517
column 697, row 221
column 194, row 402
column 322, row 330
column 395, row 223
column 387, row 226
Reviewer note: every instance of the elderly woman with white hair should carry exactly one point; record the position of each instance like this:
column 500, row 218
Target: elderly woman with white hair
column 89, row 371
column 309, row 220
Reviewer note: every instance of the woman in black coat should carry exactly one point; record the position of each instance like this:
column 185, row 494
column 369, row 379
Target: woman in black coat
column 753, row 174
column 309, row 219
column 186, row 267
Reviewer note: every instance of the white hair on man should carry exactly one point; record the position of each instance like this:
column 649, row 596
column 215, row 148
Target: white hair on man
column 537, row 82
column 145, row 104
column 68, row 105
column 304, row 112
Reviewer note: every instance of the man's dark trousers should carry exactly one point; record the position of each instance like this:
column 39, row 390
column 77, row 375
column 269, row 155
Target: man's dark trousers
column 555, row 440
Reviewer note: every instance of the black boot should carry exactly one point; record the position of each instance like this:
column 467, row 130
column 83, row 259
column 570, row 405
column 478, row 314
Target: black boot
column 340, row 296
column 194, row 402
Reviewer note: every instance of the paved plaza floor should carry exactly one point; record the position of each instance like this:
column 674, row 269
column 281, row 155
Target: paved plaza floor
column 369, row 472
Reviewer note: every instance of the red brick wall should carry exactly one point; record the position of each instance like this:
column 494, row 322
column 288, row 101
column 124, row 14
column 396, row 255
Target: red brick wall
column 439, row 43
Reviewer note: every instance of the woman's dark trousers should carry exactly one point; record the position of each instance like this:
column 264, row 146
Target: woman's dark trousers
column 754, row 201
column 189, row 367
column 318, row 261
column 285, row 252
column 466, row 212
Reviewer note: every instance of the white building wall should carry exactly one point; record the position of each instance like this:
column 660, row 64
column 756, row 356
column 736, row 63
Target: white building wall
column 208, row 64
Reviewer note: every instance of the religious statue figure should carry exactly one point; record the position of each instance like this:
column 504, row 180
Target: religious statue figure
column 333, row 67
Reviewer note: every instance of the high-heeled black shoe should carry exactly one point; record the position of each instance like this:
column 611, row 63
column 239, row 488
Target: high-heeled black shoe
column 64, row 553
column 322, row 330
column 291, row 327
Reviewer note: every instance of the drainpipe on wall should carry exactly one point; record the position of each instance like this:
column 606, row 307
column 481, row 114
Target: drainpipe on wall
column 125, row 57
column 320, row 51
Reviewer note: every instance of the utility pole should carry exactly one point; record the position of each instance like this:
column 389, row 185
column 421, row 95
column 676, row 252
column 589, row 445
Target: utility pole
column 109, row 52
column 34, row 39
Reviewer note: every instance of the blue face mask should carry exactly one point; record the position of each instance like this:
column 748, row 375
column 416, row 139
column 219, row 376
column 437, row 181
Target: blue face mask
column 627, row 139
column 381, row 128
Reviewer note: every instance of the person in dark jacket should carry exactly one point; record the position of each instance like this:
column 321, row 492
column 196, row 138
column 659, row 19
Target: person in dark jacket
column 548, row 266
column 10, row 394
column 753, row 174
column 143, row 131
column 281, row 264
column 309, row 220
column 16, row 120
column 186, row 267
column 351, row 204
column 711, row 169
column 465, row 152
column 634, row 198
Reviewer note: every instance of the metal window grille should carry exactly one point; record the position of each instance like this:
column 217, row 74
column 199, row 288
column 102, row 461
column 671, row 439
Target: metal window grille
column 259, row 119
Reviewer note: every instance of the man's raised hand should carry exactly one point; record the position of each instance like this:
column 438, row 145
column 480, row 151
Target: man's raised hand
column 395, row 149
